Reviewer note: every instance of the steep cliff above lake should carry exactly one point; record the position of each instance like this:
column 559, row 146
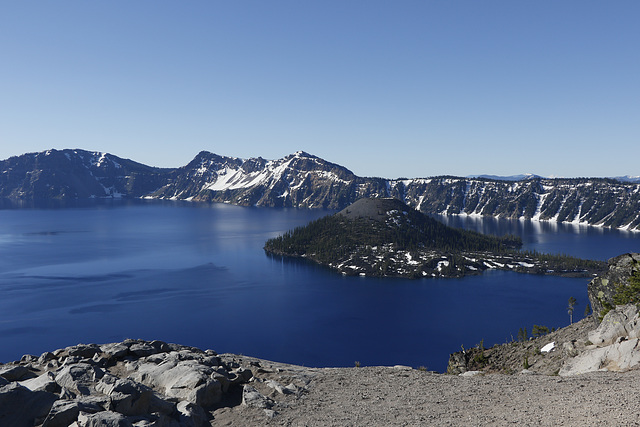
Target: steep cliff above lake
column 306, row 181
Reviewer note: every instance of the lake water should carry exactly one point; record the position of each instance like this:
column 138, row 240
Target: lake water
column 196, row 274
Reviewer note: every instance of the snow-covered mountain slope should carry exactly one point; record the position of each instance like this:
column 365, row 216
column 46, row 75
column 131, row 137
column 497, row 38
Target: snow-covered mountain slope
column 306, row 181
column 593, row 201
column 299, row 180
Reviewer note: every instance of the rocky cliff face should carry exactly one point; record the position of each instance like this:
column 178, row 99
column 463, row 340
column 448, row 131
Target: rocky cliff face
column 602, row 288
column 306, row 181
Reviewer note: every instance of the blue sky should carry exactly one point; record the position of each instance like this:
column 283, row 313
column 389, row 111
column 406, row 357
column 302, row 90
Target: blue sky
column 385, row 88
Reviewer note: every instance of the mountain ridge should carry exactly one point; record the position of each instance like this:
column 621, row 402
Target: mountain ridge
column 303, row 180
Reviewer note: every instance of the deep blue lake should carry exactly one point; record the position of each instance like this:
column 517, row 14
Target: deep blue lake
column 196, row 274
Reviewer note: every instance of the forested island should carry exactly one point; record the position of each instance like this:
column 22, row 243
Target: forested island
column 385, row 237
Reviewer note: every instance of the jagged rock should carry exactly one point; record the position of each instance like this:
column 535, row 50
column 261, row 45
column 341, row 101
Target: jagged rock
column 127, row 396
column 622, row 322
column 65, row 412
column 28, row 358
column 616, row 344
column 115, row 350
column 181, row 380
column 253, row 398
column 21, row 407
column 16, row 373
column 103, row 419
column 277, row 387
column 602, row 288
column 222, row 377
column 143, row 349
column 569, row 350
column 79, row 378
column 46, row 357
column 191, row 415
column 86, row 351
column 175, row 386
column 616, row 357
column 46, row 382
column 240, row 375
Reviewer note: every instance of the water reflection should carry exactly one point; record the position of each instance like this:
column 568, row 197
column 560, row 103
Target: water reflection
column 579, row 240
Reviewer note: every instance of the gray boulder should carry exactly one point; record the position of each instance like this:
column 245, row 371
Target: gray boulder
column 21, row 407
column 127, row 396
column 254, row 399
column 16, row 373
column 85, row 351
column 182, row 380
column 192, row 415
column 115, row 350
column 621, row 322
column 616, row 344
column 46, row 382
column 79, row 378
column 65, row 412
column 616, row 357
column 143, row 349
column 103, row 419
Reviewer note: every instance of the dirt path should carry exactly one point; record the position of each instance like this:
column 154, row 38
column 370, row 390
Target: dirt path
column 377, row 396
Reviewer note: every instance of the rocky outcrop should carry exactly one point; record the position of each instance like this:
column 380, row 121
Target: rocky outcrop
column 602, row 289
column 613, row 346
column 138, row 383
column 576, row 349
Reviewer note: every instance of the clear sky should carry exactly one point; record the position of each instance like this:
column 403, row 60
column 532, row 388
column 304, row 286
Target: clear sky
column 386, row 88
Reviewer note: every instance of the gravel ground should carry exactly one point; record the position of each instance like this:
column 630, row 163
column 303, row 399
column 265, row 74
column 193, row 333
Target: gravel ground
column 400, row 396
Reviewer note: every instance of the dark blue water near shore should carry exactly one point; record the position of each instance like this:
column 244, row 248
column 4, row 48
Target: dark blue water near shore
column 197, row 275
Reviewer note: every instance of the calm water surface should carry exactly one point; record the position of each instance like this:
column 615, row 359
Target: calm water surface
column 197, row 275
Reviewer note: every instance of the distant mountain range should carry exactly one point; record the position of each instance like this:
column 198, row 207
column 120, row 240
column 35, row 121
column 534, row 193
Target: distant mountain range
column 306, row 181
column 507, row 178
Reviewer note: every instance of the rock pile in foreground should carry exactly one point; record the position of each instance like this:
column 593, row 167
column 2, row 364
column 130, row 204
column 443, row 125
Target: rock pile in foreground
column 140, row 383
column 137, row 383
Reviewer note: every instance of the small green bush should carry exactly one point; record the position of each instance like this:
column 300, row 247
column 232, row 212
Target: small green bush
column 629, row 294
column 525, row 363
